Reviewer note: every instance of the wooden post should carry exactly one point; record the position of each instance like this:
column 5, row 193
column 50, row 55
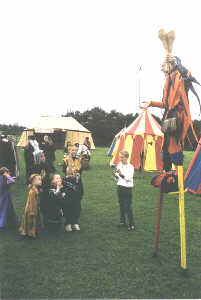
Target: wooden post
column 182, row 218
column 158, row 220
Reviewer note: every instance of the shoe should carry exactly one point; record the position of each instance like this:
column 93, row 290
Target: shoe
column 131, row 228
column 76, row 227
column 68, row 228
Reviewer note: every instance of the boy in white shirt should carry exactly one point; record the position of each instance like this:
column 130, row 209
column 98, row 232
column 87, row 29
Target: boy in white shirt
column 124, row 173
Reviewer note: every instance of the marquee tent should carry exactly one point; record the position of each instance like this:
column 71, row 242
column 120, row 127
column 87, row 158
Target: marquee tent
column 143, row 139
column 61, row 129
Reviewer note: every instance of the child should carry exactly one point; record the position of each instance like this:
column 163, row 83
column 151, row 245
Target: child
column 124, row 175
column 51, row 204
column 31, row 218
column 73, row 160
column 72, row 186
column 7, row 213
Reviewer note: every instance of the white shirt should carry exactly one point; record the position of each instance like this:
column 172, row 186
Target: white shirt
column 128, row 172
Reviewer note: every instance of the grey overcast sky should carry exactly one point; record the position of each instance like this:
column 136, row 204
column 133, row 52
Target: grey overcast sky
column 61, row 55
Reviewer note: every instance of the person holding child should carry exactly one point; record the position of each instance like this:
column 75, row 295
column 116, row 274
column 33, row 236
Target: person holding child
column 123, row 174
column 73, row 189
column 8, row 217
column 31, row 218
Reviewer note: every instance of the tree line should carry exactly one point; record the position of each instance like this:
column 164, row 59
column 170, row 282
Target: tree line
column 14, row 129
column 105, row 125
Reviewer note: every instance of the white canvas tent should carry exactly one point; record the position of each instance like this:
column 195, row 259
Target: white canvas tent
column 61, row 129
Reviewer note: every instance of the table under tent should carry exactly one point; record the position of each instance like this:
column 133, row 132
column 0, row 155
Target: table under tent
column 143, row 140
column 60, row 129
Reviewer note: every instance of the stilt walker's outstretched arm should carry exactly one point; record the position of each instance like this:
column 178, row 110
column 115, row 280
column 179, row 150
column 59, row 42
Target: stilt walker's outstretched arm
column 182, row 218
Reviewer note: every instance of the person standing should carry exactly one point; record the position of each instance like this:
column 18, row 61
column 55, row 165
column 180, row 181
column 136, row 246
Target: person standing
column 123, row 174
column 51, row 204
column 73, row 190
column 8, row 217
column 32, row 155
column 31, row 218
column 49, row 150
column 8, row 157
column 87, row 143
column 72, row 168
column 73, row 160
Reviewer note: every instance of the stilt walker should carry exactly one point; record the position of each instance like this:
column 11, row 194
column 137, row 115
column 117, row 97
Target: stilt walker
column 175, row 123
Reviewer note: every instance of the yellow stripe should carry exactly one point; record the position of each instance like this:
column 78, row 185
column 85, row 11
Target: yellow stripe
column 129, row 145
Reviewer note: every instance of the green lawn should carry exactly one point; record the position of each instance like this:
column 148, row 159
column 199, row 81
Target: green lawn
column 103, row 261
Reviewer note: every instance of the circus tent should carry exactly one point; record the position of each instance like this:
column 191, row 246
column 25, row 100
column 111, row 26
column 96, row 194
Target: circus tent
column 143, row 140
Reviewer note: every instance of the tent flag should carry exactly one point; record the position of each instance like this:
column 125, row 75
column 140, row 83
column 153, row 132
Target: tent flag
column 192, row 178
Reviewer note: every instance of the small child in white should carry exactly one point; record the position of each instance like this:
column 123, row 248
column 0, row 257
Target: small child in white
column 124, row 173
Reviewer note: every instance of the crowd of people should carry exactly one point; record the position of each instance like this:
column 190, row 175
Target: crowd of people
column 49, row 194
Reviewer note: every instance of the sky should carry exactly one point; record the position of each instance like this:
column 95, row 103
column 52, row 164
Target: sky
column 57, row 56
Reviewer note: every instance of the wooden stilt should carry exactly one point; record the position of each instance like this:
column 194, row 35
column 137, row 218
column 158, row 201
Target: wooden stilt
column 158, row 220
column 182, row 218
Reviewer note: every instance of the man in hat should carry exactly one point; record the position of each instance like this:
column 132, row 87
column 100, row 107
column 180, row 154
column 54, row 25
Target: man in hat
column 176, row 117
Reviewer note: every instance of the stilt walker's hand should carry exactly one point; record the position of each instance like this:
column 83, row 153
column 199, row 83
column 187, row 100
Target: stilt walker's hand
column 146, row 105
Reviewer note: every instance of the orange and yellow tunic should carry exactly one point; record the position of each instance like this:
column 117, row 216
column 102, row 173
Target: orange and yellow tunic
column 74, row 163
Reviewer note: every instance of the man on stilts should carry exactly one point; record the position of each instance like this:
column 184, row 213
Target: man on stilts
column 175, row 124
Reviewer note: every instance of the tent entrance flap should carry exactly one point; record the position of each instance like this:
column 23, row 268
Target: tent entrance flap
column 58, row 138
column 150, row 154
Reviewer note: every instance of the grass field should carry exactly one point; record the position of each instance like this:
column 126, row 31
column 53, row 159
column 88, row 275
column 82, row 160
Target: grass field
column 103, row 261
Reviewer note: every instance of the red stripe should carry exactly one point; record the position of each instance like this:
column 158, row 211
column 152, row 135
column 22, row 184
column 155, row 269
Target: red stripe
column 138, row 146
column 120, row 148
column 133, row 126
column 148, row 127
column 158, row 149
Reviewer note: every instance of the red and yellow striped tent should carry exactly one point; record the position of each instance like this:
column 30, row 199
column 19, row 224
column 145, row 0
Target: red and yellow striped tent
column 143, row 140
